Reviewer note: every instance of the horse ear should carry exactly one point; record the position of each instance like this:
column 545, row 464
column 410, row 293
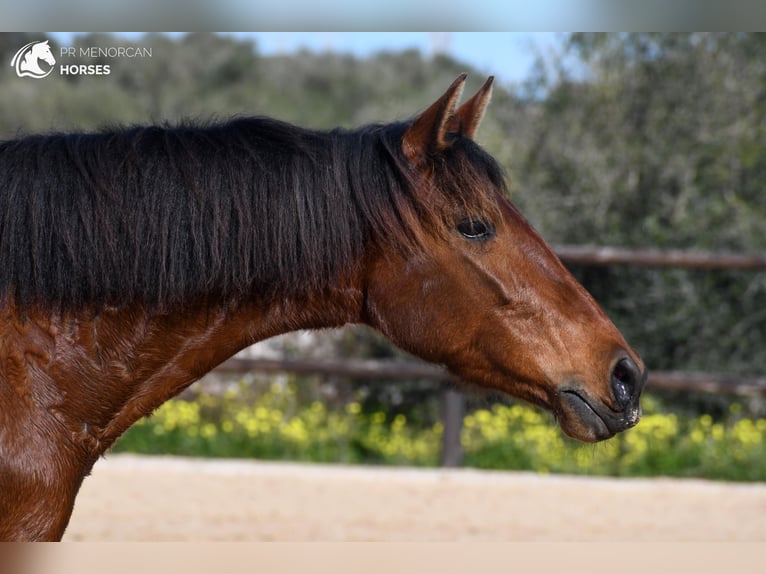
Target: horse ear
column 472, row 111
column 429, row 132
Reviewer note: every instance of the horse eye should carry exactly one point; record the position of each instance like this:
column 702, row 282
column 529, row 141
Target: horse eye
column 475, row 229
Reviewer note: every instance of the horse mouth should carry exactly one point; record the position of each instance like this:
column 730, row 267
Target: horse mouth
column 588, row 420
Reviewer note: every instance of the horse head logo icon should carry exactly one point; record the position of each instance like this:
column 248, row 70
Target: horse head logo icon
column 27, row 60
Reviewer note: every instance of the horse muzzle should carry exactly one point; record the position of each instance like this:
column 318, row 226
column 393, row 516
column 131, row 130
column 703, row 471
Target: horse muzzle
column 587, row 418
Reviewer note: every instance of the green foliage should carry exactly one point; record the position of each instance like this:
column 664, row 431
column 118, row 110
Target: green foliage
column 662, row 145
column 668, row 444
column 279, row 426
column 515, row 437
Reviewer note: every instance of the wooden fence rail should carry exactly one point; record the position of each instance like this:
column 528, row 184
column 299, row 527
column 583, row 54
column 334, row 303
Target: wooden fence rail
column 660, row 258
column 381, row 370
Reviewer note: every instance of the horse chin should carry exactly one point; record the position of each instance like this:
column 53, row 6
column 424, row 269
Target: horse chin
column 587, row 419
column 580, row 420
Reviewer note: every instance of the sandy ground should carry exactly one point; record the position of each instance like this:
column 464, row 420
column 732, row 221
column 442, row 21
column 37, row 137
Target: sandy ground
column 131, row 498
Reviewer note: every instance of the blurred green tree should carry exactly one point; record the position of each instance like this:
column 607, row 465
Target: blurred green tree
column 659, row 142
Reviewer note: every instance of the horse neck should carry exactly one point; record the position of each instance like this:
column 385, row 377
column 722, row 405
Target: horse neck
column 118, row 365
column 209, row 335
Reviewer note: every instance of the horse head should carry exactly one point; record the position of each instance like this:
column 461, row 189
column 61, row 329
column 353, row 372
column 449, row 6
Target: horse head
column 485, row 295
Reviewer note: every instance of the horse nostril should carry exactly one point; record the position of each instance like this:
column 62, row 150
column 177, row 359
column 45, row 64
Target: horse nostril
column 626, row 381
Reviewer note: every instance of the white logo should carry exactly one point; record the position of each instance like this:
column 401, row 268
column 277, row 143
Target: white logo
column 27, row 60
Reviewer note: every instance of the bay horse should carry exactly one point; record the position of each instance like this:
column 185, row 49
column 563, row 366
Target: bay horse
column 135, row 260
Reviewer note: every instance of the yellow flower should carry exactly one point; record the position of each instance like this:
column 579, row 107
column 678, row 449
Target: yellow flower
column 353, row 408
column 208, row 430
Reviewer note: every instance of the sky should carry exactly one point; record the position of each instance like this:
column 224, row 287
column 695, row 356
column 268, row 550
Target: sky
column 507, row 55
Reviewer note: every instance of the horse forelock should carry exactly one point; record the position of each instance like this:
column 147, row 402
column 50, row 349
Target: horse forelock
column 465, row 182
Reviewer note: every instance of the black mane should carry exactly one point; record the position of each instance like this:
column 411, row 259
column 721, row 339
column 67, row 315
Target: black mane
column 164, row 214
